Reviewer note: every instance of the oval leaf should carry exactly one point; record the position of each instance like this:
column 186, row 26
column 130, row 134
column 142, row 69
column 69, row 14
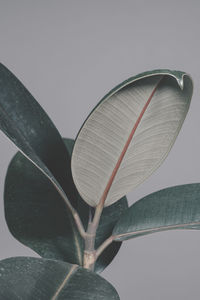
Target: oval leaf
column 172, row 208
column 27, row 125
column 42, row 279
column 129, row 134
column 37, row 217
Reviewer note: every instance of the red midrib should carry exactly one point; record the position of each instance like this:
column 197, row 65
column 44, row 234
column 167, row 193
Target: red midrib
column 112, row 177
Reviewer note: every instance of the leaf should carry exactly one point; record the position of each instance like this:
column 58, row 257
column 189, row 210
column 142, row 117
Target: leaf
column 172, row 208
column 129, row 133
column 37, row 216
column 41, row 279
column 27, row 125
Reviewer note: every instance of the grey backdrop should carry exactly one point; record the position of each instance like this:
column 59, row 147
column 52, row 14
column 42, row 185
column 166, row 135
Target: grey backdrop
column 69, row 54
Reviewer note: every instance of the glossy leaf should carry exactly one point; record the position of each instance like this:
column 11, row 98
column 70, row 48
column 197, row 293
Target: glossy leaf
column 27, row 125
column 30, row 278
column 129, row 134
column 37, row 217
column 172, row 208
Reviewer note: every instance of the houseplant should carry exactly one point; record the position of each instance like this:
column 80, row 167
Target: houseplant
column 66, row 200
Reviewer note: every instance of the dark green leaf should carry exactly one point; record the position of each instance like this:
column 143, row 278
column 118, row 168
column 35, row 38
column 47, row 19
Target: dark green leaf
column 30, row 278
column 36, row 215
column 172, row 208
column 27, row 125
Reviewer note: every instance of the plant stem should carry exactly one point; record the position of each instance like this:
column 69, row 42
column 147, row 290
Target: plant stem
column 103, row 246
column 90, row 253
column 79, row 224
column 74, row 213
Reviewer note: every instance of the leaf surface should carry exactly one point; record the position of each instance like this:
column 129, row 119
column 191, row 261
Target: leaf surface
column 172, row 208
column 129, row 134
column 27, row 125
column 37, row 216
column 30, row 278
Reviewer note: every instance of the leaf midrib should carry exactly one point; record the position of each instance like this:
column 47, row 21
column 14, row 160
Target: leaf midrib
column 154, row 229
column 66, row 279
column 124, row 150
column 49, row 176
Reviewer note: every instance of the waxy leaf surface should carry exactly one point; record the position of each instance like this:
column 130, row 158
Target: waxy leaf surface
column 30, row 278
column 172, row 208
column 27, row 125
column 129, row 134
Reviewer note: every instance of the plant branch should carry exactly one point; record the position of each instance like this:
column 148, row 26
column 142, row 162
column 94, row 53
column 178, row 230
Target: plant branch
column 79, row 223
column 103, row 246
column 73, row 211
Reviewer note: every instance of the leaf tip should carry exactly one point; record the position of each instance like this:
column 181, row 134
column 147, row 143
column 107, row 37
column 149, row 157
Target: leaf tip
column 181, row 80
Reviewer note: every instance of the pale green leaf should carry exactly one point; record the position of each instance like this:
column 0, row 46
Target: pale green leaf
column 128, row 135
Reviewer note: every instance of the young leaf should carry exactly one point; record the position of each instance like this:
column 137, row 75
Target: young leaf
column 37, row 217
column 172, row 208
column 27, row 125
column 41, row 279
column 129, row 134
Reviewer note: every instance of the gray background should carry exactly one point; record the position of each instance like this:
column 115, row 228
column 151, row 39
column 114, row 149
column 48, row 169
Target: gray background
column 69, row 54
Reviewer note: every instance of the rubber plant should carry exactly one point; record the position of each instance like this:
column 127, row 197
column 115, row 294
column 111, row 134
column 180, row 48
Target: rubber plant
column 66, row 200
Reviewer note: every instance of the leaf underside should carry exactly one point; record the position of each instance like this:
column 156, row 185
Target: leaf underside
column 171, row 208
column 30, row 278
column 129, row 134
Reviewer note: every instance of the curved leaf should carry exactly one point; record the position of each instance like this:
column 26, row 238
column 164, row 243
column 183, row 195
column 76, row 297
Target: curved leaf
column 37, row 217
column 41, row 279
column 27, row 125
column 172, row 208
column 129, row 134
